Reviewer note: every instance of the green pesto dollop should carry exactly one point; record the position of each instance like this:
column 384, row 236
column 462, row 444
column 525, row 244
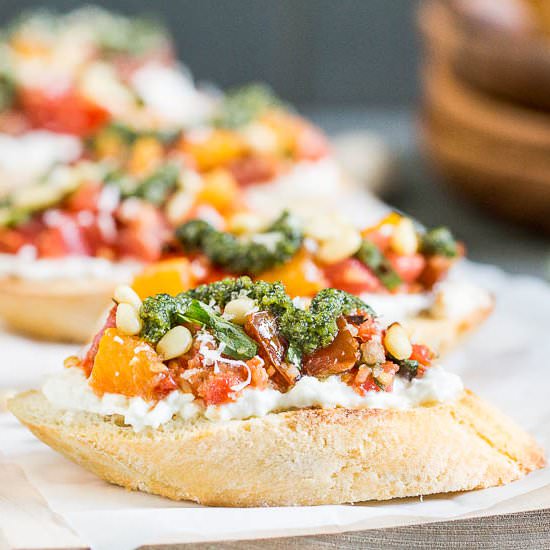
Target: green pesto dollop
column 304, row 330
column 274, row 246
column 439, row 241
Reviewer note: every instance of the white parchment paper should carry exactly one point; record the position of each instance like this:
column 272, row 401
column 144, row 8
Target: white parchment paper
column 507, row 362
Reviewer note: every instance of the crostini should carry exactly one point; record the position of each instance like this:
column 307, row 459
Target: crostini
column 231, row 394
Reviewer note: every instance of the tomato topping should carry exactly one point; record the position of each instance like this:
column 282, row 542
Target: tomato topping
column 408, row 268
column 262, row 328
column 339, row 356
column 368, row 329
column 423, row 354
column 89, row 358
column 218, row 388
column 254, row 169
column 65, row 112
column 352, row 276
column 300, row 275
column 86, row 197
column 128, row 366
column 168, row 276
column 311, row 143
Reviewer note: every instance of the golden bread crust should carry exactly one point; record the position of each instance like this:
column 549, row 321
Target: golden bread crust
column 63, row 310
column 301, row 457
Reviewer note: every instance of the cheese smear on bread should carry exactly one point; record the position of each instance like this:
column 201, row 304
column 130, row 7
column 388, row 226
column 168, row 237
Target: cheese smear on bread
column 70, row 391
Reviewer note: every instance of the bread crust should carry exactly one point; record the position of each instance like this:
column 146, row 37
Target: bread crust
column 442, row 335
column 301, row 457
column 64, row 310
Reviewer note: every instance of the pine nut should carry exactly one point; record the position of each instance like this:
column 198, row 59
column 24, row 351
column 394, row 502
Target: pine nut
column 174, row 343
column 404, row 240
column 246, row 222
column 127, row 319
column 127, row 295
column 340, row 247
column 397, row 343
column 179, row 205
column 237, row 310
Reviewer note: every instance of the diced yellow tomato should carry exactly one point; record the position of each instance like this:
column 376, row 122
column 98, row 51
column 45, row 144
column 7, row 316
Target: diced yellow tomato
column 109, row 146
column 301, row 275
column 220, row 190
column 168, row 276
column 218, row 148
column 126, row 365
column 147, row 153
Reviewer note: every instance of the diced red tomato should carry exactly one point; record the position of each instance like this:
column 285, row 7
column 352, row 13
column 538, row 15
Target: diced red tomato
column 217, row 389
column 66, row 112
column 62, row 239
column 352, row 276
column 254, row 169
column 423, row 354
column 85, row 197
column 311, row 144
column 11, row 240
column 408, row 268
column 368, row 329
column 143, row 232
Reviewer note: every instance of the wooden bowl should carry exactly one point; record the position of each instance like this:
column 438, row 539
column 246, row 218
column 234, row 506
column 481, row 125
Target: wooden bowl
column 496, row 153
column 499, row 46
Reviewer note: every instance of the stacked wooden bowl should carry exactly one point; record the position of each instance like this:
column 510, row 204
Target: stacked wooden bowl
column 486, row 113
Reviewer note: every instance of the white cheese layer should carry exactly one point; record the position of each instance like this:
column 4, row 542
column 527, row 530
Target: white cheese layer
column 455, row 300
column 25, row 158
column 171, row 94
column 25, row 266
column 307, row 185
column 69, row 390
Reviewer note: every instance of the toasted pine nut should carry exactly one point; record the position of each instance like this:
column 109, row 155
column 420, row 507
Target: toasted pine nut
column 238, row 309
column 179, row 205
column 127, row 319
column 397, row 343
column 404, row 240
column 127, row 295
column 246, row 222
column 341, row 246
column 174, row 343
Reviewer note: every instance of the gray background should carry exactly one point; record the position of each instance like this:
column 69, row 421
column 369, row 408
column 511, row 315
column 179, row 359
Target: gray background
column 310, row 51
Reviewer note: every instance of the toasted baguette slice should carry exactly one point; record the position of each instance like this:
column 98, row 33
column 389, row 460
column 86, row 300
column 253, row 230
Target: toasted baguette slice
column 442, row 335
column 63, row 310
column 302, row 457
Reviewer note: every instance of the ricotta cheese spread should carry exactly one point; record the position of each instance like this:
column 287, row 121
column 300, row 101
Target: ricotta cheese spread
column 25, row 265
column 69, row 390
column 171, row 93
column 299, row 189
column 25, row 158
column 455, row 300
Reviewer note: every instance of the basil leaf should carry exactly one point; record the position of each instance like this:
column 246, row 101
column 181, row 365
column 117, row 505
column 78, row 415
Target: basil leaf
column 370, row 255
column 237, row 344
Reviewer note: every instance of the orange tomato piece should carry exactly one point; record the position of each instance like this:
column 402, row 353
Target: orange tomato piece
column 219, row 147
column 147, row 154
column 301, row 275
column 220, row 190
column 128, row 366
column 168, row 276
